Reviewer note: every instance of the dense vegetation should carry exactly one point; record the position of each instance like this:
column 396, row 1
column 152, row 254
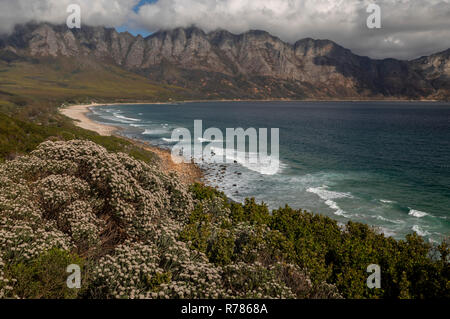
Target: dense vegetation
column 21, row 137
column 138, row 233
column 410, row 268
column 127, row 223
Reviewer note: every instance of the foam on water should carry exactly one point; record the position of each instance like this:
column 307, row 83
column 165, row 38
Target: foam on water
column 387, row 232
column 205, row 140
column 155, row 131
column 170, row 140
column 114, row 120
column 417, row 213
column 389, row 220
column 121, row 117
column 93, row 111
column 263, row 164
column 420, row 231
column 328, row 197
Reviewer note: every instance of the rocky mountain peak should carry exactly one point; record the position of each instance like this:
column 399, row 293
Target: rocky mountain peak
column 255, row 61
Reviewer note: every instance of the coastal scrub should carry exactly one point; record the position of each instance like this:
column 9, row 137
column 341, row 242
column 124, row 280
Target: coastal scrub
column 125, row 222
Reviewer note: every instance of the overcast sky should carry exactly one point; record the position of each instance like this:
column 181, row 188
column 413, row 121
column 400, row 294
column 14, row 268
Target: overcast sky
column 410, row 28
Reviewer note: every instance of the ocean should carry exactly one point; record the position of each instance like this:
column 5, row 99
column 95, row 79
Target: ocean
column 386, row 164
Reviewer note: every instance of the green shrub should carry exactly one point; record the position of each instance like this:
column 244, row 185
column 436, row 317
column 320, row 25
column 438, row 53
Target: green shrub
column 44, row 277
column 221, row 247
column 342, row 256
column 330, row 253
column 250, row 212
column 18, row 137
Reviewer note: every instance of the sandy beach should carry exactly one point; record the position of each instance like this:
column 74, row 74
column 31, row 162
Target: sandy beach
column 78, row 114
column 188, row 173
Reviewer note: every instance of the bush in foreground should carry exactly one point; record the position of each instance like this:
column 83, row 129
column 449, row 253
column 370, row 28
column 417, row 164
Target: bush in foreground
column 139, row 233
column 331, row 254
column 129, row 226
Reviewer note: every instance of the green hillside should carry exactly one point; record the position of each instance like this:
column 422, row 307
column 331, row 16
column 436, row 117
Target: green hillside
column 45, row 82
column 31, row 91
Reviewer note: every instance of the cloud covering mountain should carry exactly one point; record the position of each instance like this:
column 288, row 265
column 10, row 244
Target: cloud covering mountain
column 410, row 28
column 109, row 13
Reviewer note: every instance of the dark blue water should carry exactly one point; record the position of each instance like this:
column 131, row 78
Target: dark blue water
column 382, row 163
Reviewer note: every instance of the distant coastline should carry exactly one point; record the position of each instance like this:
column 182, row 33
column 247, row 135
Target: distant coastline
column 78, row 112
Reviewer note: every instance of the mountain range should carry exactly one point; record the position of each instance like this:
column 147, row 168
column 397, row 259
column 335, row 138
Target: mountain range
column 223, row 65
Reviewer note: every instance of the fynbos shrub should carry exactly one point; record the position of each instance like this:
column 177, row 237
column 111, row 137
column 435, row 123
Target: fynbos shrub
column 135, row 229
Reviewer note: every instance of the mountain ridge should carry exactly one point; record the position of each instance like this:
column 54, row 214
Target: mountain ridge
column 254, row 64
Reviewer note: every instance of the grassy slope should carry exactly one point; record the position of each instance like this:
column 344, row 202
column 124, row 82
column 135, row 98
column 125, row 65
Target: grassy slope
column 81, row 79
column 20, row 137
column 31, row 92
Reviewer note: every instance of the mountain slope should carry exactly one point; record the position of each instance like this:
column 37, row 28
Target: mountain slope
column 251, row 65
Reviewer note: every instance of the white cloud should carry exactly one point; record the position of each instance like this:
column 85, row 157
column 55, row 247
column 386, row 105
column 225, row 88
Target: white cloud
column 410, row 28
column 93, row 12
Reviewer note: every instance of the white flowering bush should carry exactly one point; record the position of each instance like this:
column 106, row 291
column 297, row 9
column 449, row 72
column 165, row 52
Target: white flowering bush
column 256, row 281
column 138, row 270
column 79, row 220
column 138, row 232
column 78, row 197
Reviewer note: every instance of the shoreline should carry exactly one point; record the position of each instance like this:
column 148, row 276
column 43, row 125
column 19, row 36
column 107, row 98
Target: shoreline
column 78, row 113
column 188, row 172
column 93, row 104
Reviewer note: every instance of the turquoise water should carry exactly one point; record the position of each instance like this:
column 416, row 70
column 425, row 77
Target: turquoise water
column 382, row 163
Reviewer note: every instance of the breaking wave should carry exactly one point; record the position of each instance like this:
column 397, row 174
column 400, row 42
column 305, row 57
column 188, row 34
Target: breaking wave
column 329, row 196
column 417, row 213
column 420, row 231
column 263, row 164
column 117, row 115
